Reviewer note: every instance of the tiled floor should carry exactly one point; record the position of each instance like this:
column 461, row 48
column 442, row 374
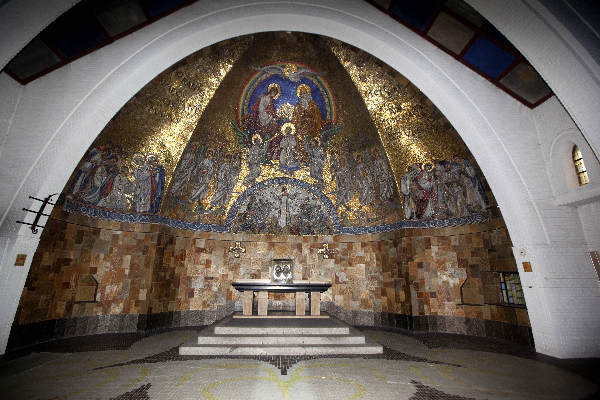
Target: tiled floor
column 421, row 367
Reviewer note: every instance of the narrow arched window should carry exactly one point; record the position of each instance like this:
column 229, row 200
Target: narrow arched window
column 582, row 174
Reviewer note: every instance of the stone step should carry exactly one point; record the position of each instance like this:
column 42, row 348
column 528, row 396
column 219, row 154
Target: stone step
column 279, row 339
column 193, row 349
column 281, row 330
column 281, row 326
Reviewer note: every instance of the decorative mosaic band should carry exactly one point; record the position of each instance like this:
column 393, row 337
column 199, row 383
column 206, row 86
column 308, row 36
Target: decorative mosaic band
column 94, row 212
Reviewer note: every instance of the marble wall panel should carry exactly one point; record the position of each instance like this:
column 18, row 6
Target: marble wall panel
column 452, row 272
column 154, row 272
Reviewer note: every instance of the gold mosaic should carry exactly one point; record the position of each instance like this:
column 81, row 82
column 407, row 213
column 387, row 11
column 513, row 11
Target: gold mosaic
column 278, row 133
column 411, row 128
column 161, row 117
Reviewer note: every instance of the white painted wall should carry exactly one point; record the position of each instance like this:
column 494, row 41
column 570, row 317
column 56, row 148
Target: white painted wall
column 8, row 107
column 59, row 115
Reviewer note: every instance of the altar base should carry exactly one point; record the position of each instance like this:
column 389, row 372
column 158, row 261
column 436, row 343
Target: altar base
column 294, row 335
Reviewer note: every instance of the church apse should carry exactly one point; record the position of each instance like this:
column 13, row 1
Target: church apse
column 283, row 142
column 282, row 134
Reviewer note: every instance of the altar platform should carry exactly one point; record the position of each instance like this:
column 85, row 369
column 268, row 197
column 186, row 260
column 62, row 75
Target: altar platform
column 280, row 336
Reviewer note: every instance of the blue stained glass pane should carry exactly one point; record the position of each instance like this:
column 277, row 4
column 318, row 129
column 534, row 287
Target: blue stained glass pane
column 157, row 7
column 417, row 14
column 488, row 57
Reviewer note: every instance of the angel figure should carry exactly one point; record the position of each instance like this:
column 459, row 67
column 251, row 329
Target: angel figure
column 290, row 71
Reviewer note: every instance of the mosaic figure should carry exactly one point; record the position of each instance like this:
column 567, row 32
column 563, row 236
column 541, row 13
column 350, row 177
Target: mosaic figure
column 344, row 181
column 287, row 149
column 457, row 198
column 143, row 184
column 282, row 94
column 442, row 182
column 291, row 71
column 458, row 204
column 383, row 175
column 442, row 189
column 122, row 188
column 82, row 177
column 102, row 179
column 225, row 181
column 427, row 196
column 475, row 195
column 256, row 154
column 157, row 182
column 99, row 184
column 185, row 170
column 317, row 158
column 284, row 212
column 364, row 179
column 94, row 179
column 306, row 117
column 254, row 218
column 279, row 208
column 149, row 183
column 408, row 188
column 204, row 173
column 263, row 118
column 313, row 221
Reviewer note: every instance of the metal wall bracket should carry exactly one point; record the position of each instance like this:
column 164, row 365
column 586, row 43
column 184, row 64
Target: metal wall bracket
column 39, row 213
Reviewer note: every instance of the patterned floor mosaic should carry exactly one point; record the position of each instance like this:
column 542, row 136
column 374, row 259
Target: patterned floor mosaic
column 282, row 362
column 151, row 368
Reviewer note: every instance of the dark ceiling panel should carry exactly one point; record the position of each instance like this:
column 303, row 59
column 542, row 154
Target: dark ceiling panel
column 119, row 16
column 417, row 14
column 464, row 10
column 158, row 7
column 75, row 32
column 488, row 57
column 450, row 33
column 385, row 4
column 524, row 81
column 33, row 59
column 495, row 35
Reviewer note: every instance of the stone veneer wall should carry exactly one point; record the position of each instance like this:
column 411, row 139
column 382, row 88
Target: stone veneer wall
column 152, row 277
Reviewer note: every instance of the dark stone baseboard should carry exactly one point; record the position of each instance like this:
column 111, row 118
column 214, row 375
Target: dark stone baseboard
column 22, row 336
column 435, row 324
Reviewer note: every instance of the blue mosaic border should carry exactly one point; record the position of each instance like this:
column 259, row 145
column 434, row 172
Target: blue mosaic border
column 94, row 212
column 432, row 223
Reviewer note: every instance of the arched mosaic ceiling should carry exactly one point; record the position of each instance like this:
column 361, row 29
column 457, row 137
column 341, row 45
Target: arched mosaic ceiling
column 280, row 133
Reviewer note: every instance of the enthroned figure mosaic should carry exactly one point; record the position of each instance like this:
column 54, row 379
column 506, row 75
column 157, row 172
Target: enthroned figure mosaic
column 280, row 147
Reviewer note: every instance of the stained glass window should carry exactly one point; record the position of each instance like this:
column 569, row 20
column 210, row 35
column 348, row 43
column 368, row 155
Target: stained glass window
column 511, row 291
column 582, row 174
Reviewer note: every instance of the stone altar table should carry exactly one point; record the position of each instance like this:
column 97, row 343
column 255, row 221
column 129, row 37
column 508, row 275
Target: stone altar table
column 264, row 286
